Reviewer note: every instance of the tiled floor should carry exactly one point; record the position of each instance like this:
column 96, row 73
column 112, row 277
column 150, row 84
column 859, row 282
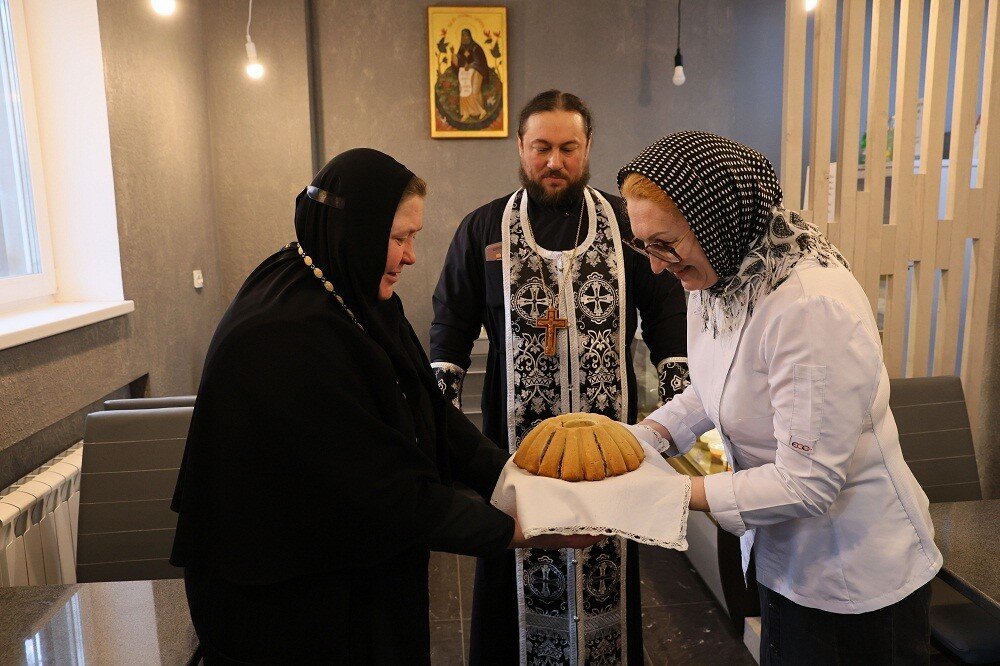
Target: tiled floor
column 682, row 623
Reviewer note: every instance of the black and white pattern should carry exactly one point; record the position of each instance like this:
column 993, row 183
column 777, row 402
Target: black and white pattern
column 730, row 196
column 571, row 603
column 449, row 380
column 787, row 239
column 674, row 377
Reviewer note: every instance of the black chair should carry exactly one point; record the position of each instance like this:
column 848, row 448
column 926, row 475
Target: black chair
column 131, row 459
column 935, row 436
column 936, row 439
column 151, row 403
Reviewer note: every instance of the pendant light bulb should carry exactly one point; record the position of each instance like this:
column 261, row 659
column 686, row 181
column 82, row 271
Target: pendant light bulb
column 255, row 70
column 164, row 7
column 679, row 77
column 811, row 5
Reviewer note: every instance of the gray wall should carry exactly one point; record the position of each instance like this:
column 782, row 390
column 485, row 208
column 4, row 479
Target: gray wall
column 373, row 92
column 617, row 56
column 759, row 66
column 155, row 72
column 260, row 129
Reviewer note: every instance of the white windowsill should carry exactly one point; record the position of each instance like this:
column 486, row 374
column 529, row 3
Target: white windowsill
column 40, row 321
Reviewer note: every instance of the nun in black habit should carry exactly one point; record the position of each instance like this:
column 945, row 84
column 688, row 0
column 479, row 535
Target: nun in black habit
column 318, row 471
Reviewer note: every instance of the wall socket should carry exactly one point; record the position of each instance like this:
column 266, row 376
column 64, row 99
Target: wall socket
column 199, row 279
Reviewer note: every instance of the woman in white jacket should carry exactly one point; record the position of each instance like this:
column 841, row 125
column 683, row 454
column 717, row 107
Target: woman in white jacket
column 786, row 363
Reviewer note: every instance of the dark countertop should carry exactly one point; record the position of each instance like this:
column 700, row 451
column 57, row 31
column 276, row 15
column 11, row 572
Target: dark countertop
column 134, row 622
column 966, row 533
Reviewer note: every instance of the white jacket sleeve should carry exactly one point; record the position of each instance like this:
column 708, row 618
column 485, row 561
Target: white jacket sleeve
column 685, row 418
column 823, row 365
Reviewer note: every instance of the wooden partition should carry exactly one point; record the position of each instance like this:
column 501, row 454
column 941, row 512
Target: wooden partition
column 919, row 228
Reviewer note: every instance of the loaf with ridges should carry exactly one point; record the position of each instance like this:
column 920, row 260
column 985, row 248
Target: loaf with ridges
column 579, row 447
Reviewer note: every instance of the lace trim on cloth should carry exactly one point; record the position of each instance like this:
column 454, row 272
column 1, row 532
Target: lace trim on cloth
column 680, row 543
column 450, row 378
column 674, row 376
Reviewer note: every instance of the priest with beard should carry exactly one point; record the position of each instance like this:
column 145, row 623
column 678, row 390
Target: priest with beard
column 547, row 271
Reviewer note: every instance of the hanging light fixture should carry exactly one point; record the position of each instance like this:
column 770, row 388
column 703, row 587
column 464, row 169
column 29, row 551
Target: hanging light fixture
column 679, row 77
column 164, row 7
column 811, row 5
column 255, row 70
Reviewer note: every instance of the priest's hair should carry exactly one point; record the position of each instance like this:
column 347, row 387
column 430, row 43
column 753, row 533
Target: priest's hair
column 556, row 100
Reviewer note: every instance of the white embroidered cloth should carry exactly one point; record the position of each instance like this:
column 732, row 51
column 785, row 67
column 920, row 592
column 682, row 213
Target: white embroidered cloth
column 648, row 504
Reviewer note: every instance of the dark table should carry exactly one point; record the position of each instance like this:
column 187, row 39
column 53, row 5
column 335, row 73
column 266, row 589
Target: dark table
column 968, row 534
column 135, row 622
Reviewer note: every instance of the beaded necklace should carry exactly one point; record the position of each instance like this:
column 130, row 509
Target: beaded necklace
column 326, row 283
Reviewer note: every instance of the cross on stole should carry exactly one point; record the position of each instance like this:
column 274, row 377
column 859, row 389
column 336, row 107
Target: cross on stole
column 550, row 322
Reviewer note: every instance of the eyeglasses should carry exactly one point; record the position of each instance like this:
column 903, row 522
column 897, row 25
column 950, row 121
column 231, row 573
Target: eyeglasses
column 661, row 250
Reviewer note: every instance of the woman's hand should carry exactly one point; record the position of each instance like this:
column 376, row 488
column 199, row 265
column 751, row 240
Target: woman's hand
column 552, row 541
column 651, row 433
column 658, row 437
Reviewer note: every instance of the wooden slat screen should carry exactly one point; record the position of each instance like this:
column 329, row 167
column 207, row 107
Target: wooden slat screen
column 919, row 228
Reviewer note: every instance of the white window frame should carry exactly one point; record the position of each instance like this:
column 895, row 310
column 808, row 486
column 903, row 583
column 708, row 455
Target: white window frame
column 35, row 286
column 61, row 70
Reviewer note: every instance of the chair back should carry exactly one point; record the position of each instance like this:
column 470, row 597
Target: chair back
column 130, row 462
column 935, row 436
column 150, row 403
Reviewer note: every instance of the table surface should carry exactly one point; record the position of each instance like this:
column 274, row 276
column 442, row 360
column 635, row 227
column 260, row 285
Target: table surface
column 134, row 622
column 966, row 533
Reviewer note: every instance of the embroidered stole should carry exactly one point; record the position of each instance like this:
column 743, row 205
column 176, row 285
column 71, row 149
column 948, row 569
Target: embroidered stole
column 571, row 602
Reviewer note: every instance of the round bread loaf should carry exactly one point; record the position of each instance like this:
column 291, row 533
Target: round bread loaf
column 579, row 447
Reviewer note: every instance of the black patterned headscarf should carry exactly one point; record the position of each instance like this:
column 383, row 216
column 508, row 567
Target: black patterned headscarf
column 730, row 196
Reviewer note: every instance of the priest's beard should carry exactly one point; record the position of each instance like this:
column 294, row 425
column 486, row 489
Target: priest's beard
column 569, row 194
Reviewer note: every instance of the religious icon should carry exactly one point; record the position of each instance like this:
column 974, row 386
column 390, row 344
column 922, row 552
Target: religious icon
column 468, row 71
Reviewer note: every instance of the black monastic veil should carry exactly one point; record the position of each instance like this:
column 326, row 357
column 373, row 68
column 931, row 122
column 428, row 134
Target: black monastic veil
column 318, row 468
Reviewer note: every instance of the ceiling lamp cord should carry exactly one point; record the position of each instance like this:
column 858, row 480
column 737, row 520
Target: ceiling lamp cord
column 255, row 70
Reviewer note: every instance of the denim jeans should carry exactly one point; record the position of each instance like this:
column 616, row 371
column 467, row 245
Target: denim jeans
column 795, row 634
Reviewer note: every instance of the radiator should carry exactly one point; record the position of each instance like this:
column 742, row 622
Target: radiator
column 38, row 523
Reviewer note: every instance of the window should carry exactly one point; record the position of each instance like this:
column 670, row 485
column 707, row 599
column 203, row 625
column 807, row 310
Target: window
column 60, row 267
column 25, row 255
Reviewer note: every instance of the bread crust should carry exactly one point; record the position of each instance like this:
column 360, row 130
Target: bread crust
column 594, row 464
column 572, row 462
column 578, row 447
column 552, row 458
column 529, row 454
column 613, row 458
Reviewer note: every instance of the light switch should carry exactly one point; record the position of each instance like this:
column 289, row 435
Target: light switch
column 199, row 280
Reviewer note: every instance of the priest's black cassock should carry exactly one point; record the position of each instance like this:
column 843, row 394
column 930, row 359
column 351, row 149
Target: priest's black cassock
column 318, row 468
column 504, row 268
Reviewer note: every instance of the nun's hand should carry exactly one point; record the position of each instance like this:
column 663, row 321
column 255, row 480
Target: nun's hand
column 552, row 541
column 557, row 541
